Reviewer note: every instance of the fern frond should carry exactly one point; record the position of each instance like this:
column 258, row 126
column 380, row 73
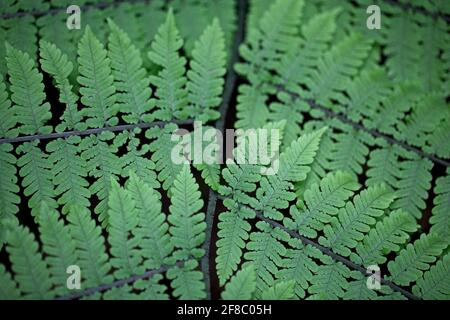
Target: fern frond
column 274, row 193
column 9, row 200
column 58, row 246
column 421, row 122
column 225, row 12
column 366, row 92
column 60, row 37
column 207, row 159
column 435, row 283
column 252, row 110
column 416, row 258
column 123, row 219
column 241, row 179
column 187, row 283
column 162, row 148
column 384, row 166
column 103, row 164
column 21, row 33
column 387, row 236
column 299, row 266
column 321, row 202
column 321, row 163
column 69, row 172
column 358, row 290
column 353, row 221
column 184, row 11
column 256, row 10
column 283, row 290
column 131, row 81
column 393, row 109
column 241, row 285
column 295, row 160
column 336, row 68
column 276, row 31
column 27, row 93
column 30, row 269
column 9, row 119
column 233, row 232
column 120, row 293
column 57, row 64
column 90, row 247
column 438, row 140
column 98, row 93
column 265, row 252
column 302, row 57
column 152, row 288
column 331, row 281
column 8, row 289
column 412, row 185
column 188, row 225
column 35, row 169
column 432, row 33
column 440, row 218
column 349, row 151
column 155, row 242
column 135, row 159
column 205, row 78
column 289, row 110
column 401, row 47
column 170, row 81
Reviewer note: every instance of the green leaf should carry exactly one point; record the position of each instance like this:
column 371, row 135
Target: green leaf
column 205, row 78
column 9, row 118
column 131, row 81
column 90, row 248
column 387, row 236
column 321, row 202
column 440, row 219
column 170, row 81
column 152, row 229
column 123, row 220
column 58, row 246
column 241, row 286
column 264, row 254
column 30, row 269
column 58, row 65
column 98, row 93
column 69, row 172
column 416, row 258
column 27, row 93
column 187, row 222
column 35, row 169
column 187, row 283
column 435, row 283
column 353, row 221
column 283, row 290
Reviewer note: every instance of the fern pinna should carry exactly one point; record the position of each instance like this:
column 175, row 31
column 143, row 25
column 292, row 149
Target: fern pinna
column 89, row 186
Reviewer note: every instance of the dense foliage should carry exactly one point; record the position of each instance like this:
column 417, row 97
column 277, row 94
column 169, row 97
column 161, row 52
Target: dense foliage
column 87, row 175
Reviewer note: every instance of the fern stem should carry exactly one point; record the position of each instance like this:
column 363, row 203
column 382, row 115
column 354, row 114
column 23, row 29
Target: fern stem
column 87, row 132
column 230, row 87
column 120, row 283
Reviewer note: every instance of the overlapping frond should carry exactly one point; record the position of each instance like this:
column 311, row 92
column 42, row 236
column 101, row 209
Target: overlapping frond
column 57, row 64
